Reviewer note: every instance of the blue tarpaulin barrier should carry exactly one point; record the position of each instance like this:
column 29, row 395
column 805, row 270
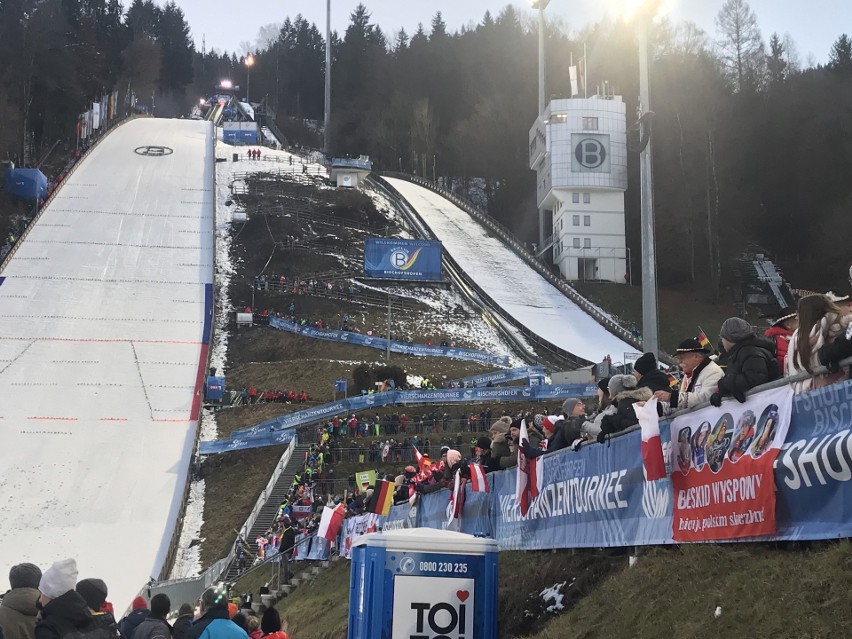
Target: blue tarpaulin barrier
column 26, row 184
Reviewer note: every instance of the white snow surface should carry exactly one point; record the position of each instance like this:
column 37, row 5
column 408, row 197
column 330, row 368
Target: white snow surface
column 553, row 594
column 511, row 282
column 101, row 322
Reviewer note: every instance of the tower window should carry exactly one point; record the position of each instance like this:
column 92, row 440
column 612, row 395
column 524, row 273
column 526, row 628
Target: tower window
column 575, row 198
column 587, row 220
column 587, row 242
column 587, row 198
column 576, row 242
column 590, row 124
column 576, row 220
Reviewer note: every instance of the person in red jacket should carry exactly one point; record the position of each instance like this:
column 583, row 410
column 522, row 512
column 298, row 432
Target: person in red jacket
column 781, row 331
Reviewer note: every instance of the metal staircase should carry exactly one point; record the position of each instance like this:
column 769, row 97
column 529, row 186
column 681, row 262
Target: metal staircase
column 267, row 514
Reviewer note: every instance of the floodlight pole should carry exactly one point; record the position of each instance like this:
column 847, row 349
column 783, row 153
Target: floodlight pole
column 650, row 325
column 327, row 137
column 388, row 334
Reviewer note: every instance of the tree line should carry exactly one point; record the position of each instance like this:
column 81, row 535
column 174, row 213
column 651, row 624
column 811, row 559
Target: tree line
column 751, row 146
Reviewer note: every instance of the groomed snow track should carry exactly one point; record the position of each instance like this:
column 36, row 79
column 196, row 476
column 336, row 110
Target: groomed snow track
column 105, row 318
column 518, row 290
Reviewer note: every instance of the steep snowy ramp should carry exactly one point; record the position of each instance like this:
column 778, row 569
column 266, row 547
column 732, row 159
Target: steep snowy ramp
column 105, row 316
column 509, row 281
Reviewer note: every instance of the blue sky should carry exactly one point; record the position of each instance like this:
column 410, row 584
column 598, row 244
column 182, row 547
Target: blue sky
column 813, row 29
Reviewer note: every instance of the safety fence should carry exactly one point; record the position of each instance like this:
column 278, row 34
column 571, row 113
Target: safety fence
column 273, row 432
column 778, row 467
column 380, row 343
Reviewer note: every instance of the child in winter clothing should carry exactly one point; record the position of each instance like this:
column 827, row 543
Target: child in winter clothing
column 624, row 391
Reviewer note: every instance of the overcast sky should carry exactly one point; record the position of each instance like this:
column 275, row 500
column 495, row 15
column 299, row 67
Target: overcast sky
column 813, row 25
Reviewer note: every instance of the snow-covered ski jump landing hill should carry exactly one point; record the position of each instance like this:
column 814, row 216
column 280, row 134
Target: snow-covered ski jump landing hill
column 509, row 281
column 105, row 315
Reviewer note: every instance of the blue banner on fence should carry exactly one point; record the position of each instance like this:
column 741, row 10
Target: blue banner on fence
column 380, row 343
column 498, row 377
column 267, row 438
column 813, row 471
column 398, row 259
column 401, row 516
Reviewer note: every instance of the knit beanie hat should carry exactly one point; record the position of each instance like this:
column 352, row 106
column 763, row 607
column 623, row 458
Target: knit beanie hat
column 501, row 425
column 24, row 576
column 537, row 420
column 645, row 364
column 453, row 457
column 139, row 603
column 484, row 443
column 94, row 592
column 58, row 579
column 185, row 609
column 735, row 329
column 603, row 384
column 568, row 405
column 548, row 424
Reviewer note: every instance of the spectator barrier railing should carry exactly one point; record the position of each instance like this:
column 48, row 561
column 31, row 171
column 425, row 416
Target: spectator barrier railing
column 521, row 251
column 569, row 360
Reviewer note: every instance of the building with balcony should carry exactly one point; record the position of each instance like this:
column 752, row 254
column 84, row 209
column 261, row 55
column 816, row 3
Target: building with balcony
column 578, row 149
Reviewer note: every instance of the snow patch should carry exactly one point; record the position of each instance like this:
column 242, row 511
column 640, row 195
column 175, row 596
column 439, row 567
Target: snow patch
column 554, row 594
column 188, row 558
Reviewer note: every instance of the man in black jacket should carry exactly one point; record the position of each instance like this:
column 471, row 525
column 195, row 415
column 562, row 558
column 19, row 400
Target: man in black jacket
column 648, row 374
column 750, row 361
column 285, row 549
column 64, row 612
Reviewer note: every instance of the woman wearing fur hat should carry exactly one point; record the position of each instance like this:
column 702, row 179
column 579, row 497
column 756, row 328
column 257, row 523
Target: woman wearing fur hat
column 499, row 432
column 750, row 360
column 592, row 426
column 824, row 322
column 624, row 392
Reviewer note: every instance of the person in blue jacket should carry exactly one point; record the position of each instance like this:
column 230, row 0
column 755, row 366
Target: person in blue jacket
column 214, row 622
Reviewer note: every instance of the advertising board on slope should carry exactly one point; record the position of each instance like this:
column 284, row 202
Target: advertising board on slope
column 596, row 496
column 400, row 259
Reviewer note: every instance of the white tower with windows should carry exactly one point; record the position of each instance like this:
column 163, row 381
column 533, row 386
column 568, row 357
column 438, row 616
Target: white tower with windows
column 578, row 149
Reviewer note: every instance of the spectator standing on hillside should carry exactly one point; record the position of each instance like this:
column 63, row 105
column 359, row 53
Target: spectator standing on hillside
column 155, row 625
column 18, row 609
column 214, row 622
column 625, row 392
column 63, row 612
column 285, row 549
column 94, row 592
column 183, row 622
column 499, row 432
column 782, row 331
column 270, row 625
column 750, row 361
column 700, row 380
column 592, row 426
column 648, row 373
column 823, row 322
column 482, row 455
column 138, row 614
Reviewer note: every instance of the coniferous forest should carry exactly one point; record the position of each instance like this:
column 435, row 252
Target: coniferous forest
column 752, row 144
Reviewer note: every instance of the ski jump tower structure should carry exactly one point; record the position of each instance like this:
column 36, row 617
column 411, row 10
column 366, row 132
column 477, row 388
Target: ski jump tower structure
column 578, row 149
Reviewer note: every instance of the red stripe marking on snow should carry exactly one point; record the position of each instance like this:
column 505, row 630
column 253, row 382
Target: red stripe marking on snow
column 113, row 419
column 56, row 419
column 179, row 421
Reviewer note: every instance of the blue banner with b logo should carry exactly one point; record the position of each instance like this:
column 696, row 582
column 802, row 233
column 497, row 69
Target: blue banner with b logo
column 398, row 259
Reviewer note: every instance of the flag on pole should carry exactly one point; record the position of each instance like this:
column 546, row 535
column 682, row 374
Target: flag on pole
column 702, row 339
column 529, row 476
column 572, row 74
column 581, row 76
column 382, row 499
column 478, row 481
column 653, row 463
column 330, row 522
column 457, row 497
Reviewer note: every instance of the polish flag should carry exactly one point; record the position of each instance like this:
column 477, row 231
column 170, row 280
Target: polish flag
column 330, row 523
column 652, row 448
column 457, row 497
column 478, row 481
column 529, row 477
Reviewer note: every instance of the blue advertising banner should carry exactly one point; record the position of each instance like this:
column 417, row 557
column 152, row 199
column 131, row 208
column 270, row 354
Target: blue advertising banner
column 268, row 438
column 380, row 343
column 398, row 259
column 813, row 471
column 498, row 377
column 401, row 516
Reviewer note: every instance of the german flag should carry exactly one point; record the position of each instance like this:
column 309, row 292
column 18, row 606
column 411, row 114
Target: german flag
column 702, row 339
column 382, row 498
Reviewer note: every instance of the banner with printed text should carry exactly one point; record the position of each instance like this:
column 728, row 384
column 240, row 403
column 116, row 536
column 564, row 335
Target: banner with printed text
column 722, row 467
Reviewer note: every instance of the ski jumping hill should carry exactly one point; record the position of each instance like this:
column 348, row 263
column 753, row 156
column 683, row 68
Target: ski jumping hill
column 105, row 316
column 514, row 285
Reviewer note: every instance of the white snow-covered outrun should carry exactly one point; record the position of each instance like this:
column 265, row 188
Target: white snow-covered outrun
column 105, row 315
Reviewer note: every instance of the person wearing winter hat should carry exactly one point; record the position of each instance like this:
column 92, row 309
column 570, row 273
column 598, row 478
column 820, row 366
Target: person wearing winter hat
column 155, row 625
column 18, row 608
column 183, row 622
column 750, row 361
column 648, row 373
column 214, row 622
column 63, row 611
column 500, row 439
column 823, row 322
column 482, row 455
column 625, row 392
column 781, row 330
column 700, row 380
column 138, row 613
column 94, row 592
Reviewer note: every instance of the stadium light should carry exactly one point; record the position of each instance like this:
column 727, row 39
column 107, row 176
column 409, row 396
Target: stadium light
column 249, row 62
column 541, row 5
column 226, row 84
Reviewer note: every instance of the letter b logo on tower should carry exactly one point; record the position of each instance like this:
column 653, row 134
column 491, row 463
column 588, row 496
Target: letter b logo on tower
column 591, row 153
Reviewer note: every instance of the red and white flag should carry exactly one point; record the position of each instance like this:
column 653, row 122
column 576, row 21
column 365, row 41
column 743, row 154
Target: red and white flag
column 330, row 523
column 653, row 462
column 478, row 481
column 457, row 497
column 529, row 477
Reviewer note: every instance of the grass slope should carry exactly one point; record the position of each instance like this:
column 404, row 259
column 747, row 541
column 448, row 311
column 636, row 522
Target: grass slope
column 764, row 590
